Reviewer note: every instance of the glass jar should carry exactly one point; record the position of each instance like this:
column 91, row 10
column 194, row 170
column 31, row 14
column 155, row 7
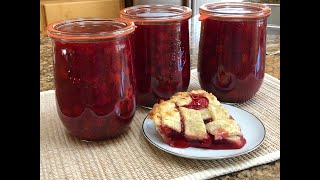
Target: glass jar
column 94, row 76
column 232, row 49
column 162, row 53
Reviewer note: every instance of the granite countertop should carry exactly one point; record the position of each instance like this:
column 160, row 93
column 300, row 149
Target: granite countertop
column 268, row 171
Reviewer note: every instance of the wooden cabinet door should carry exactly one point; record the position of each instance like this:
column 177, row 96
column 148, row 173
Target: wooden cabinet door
column 51, row 11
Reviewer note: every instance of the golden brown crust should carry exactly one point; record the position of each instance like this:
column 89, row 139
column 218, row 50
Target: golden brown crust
column 181, row 98
column 167, row 113
column 193, row 123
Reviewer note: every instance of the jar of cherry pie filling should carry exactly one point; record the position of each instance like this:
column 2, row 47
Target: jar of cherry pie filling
column 162, row 53
column 94, row 76
column 232, row 49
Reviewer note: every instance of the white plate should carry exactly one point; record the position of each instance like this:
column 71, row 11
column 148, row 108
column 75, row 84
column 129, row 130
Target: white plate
column 251, row 127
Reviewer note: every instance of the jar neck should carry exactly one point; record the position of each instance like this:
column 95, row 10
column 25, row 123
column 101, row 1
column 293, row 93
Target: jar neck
column 234, row 10
column 156, row 13
column 203, row 17
column 89, row 29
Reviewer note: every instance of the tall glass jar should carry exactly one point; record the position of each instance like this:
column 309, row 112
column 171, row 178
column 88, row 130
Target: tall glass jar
column 232, row 49
column 162, row 53
column 94, row 76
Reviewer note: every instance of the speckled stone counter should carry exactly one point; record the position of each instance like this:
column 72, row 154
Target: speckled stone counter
column 269, row 171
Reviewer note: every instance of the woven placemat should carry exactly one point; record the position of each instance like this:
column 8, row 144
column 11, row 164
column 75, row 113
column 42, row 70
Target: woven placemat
column 131, row 156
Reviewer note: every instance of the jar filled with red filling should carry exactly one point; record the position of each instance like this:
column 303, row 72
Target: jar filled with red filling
column 162, row 53
column 232, row 49
column 94, row 76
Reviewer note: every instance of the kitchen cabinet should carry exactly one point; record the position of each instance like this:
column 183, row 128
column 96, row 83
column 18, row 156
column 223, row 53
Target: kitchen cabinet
column 54, row 10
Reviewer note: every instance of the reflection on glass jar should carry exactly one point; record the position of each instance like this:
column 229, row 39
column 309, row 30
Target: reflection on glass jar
column 94, row 76
column 232, row 49
column 162, row 53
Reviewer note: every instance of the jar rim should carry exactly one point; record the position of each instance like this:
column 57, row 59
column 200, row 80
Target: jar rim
column 238, row 10
column 63, row 29
column 156, row 13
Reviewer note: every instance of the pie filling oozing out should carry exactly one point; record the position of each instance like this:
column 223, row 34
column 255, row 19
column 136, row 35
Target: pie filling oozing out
column 196, row 119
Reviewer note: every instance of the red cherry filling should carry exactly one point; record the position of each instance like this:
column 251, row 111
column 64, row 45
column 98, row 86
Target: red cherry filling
column 173, row 138
column 178, row 140
column 206, row 121
column 198, row 102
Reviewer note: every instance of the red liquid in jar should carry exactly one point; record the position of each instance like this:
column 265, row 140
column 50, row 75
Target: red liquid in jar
column 95, row 85
column 231, row 61
column 162, row 61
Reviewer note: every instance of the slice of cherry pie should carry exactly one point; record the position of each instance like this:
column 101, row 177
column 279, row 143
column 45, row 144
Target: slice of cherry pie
column 196, row 119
